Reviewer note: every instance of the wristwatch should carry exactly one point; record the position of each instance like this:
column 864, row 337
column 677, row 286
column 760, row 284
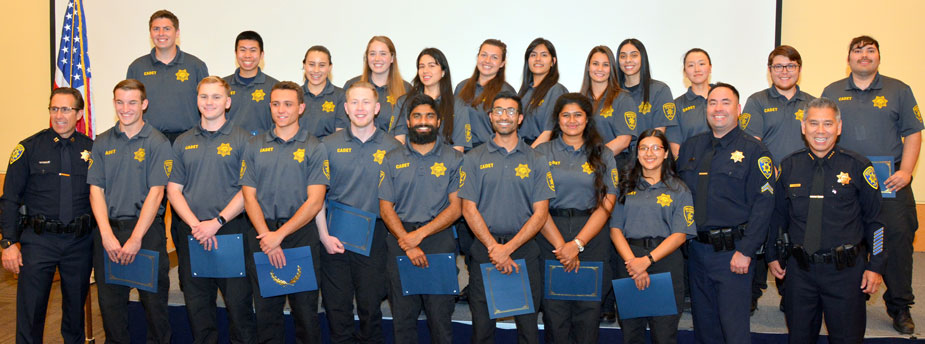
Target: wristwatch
column 6, row 243
column 221, row 220
column 581, row 246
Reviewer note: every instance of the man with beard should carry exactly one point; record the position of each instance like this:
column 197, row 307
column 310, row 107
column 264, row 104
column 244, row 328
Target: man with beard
column 505, row 186
column 418, row 203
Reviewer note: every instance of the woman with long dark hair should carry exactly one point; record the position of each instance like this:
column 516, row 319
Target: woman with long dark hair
column 614, row 110
column 433, row 79
column 692, row 105
column 538, row 91
column 324, row 102
column 653, row 217
column 652, row 97
column 477, row 92
column 585, row 177
column 380, row 68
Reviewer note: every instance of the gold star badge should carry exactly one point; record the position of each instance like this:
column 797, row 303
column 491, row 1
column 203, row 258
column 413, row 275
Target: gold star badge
column 586, row 168
column 663, row 200
column 737, row 156
column 438, row 169
column 258, row 95
column 182, row 75
column 299, row 155
column 606, row 113
column 224, row 149
column 378, row 155
column 843, row 178
column 880, row 102
column 645, row 107
column 522, row 171
column 85, row 155
column 390, row 99
column 328, row 106
column 140, row 154
column 798, row 115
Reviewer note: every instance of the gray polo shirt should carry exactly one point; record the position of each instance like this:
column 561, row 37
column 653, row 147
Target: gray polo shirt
column 691, row 110
column 776, row 120
column 418, row 184
column 655, row 211
column 875, row 120
column 388, row 112
column 208, row 166
column 356, row 166
column 478, row 117
column 541, row 118
column 574, row 176
column 281, row 171
column 171, row 89
column 618, row 118
column 462, row 133
column 504, row 185
column 127, row 169
column 250, row 103
column 660, row 111
column 324, row 113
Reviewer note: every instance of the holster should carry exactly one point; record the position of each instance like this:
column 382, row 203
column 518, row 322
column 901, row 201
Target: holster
column 784, row 249
column 800, row 256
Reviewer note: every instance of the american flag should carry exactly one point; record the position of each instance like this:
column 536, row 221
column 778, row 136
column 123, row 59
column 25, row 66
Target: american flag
column 73, row 64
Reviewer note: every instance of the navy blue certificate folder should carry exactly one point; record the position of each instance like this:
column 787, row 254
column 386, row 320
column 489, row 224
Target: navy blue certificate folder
column 225, row 261
column 297, row 276
column 507, row 295
column 585, row 285
column 656, row 300
column 141, row 273
column 883, row 169
column 353, row 227
column 439, row 278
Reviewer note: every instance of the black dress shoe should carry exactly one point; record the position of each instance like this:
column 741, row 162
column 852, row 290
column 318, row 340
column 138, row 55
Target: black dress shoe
column 781, row 306
column 463, row 297
column 609, row 317
column 753, row 308
column 902, row 322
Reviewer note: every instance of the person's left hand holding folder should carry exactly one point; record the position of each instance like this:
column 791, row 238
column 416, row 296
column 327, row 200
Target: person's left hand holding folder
column 130, row 248
column 204, row 232
column 331, row 243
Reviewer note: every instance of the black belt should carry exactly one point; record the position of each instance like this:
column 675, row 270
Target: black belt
column 128, row 224
column 41, row 224
column 275, row 224
column 841, row 256
column 723, row 238
column 646, row 243
column 503, row 238
column 569, row 212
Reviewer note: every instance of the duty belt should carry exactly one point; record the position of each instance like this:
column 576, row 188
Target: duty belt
column 41, row 224
column 842, row 256
column 722, row 239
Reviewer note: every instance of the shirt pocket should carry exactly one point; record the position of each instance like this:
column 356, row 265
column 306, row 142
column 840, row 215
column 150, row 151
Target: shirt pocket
column 736, row 171
column 799, row 201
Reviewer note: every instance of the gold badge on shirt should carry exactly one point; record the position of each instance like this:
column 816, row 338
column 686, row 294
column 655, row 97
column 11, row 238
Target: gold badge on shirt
column 328, row 106
column 85, row 155
column 140, row 154
column 224, row 149
column 182, row 75
column 798, row 115
column 299, row 155
column 880, row 102
column 606, row 113
column 522, row 171
column 663, row 200
column 258, row 95
column 438, row 169
column 390, row 100
column 645, row 107
column 586, row 168
column 378, row 155
column 737, row 156
column 843, row 178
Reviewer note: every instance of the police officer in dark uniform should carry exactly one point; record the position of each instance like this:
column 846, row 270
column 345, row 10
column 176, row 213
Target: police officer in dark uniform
column 731, row 175
column 505, row 186
column 882, row 118
column 47, row 176
column 829, row 200
column 418, row 203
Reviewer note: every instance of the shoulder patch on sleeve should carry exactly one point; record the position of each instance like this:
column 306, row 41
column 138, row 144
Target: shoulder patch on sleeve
column 669, row 110
column 743, row 120
column 550, row 182
column 17, row 153
column 689, row 215
column 766, row 167
column 871, row 177
column 168, row 167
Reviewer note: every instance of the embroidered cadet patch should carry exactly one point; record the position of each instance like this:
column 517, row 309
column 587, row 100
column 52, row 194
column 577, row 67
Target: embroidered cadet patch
column 737, row 156
column 645, row 107
column 549, row 182
column 258, row 95
column 522, row 171
column 381, row 177
column 326, row 169
column 462, row 179
column 586, row 168
column 378, row 155
column 615, row 177
column 871, row 177
column 243, row 168
column 140, row 154
column 391, row 122
column 224, row 149
column 168, row 167
column 798, row 115
column 663, row 200
column 669, row 110
column 918, row 114
column 182, row 75
column 744, row 119
column 438, row 169
column 767, row 188
column 468, row 132
column 630, row 118
column 766, row 167
column 292, row 282
column 328, row 106
column 880, row 102
column 689, row 215
column 844, row 178
column 17, row 153
column 85, row 155
column 606, row 113
column 299, row 155
column 878, row 241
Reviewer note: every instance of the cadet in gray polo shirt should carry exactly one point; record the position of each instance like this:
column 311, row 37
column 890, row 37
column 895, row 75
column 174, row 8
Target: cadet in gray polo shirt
column 653, row 98
column 616, row 119
column 505, row 186
column 692, row 117
column 283, row 180
column 324, row 102
column 250, row 87
column 388, row 112
column 128, row 169
column 170, row 77
column 418, row 203
column 881, row 118
column 462, row 137
column 355, row 155
column 539, row 90
column 775, row 115
column 207, row 201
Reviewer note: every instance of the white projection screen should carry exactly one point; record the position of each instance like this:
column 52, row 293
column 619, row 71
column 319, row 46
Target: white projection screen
column 737, row 34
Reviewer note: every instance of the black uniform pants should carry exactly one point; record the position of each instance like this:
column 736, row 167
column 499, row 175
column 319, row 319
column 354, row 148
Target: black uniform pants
column 824, row 290
column 113, row 298
column 899, row 217
column 304, row 306
column 350, row 275
column 483, row 328
column 663, row 329
column 720, row 298
column 567, row 321
column 41, row 255
column 200, row 293
column 405, row 309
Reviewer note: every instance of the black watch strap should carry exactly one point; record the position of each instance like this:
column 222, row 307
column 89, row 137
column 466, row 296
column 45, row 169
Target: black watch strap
column 221, row 220
column 5, row 243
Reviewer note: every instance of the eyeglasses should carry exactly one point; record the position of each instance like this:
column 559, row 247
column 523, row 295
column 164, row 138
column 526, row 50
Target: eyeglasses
column 499, row 111
column 63, row 109
column 790, row 67
column 653, row 148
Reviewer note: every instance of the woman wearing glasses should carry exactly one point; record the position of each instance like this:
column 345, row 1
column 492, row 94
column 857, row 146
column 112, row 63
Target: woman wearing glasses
column 654, row 215
column 691, row 107
column 614, row 111
column 381, row 70
column 652, row 97
column 476, row 92
column 586, row 180
column 539, row 90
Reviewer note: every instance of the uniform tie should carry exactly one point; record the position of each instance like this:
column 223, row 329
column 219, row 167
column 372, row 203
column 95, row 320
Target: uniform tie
column 66, row 198
column 703, row 183
column 814, row 219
